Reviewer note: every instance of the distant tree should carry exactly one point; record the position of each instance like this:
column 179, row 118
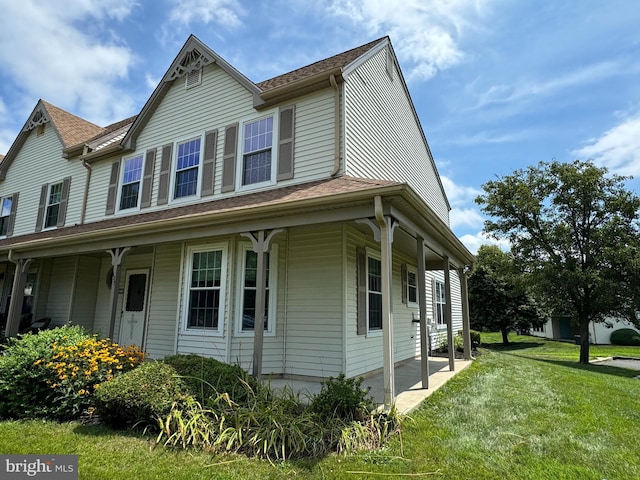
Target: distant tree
column 574, row 229
column 498, row 296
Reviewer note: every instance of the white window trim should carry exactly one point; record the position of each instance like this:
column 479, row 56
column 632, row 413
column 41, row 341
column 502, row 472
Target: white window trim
column 376, row 255
column 2, row 199
column 186, row 288
column 174, row 170
column 47, row 205
column 273, row 282
column 414, row 270
column 121, row 180
column 437, row 324
column 274, row 151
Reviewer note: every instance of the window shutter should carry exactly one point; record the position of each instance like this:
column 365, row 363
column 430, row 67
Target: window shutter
column 285, row 143
column 403, row 273
column 113, row 189
column 147, row 179
column 361, row 261
column 165, row 172
column 229, row 158
column 41, row 206
column 209, row 163
column 64, row 202
column 12, row 216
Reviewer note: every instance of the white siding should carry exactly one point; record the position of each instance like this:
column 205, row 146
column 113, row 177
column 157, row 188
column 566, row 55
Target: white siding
column 383, row 139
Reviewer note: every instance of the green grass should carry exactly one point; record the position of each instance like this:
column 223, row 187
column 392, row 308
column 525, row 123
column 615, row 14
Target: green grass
column 527, row 411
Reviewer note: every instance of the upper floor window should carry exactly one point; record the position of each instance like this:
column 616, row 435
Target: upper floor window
column 256, row 152
column 439, row 302
column 5, row 215
column 204, row 290
column 53, row 205
column 131, row 178
column 187, row 168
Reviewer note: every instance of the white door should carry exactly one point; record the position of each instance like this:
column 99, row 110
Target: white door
column 134, row 308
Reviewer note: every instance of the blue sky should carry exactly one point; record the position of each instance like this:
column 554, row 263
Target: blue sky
column 498, row 84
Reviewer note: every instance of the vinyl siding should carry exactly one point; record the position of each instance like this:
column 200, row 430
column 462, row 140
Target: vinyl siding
column 383, row 138
column 59, row 298
column 86, row 287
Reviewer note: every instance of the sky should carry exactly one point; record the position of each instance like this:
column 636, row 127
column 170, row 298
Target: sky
column 498, row 85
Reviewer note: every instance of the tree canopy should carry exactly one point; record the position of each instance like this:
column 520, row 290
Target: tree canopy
column 574, row 230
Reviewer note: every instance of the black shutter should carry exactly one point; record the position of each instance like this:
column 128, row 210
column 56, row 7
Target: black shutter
column 41, row 206
column 112, row 193
column 361, row 262
column 147, row 179
column 229, row 158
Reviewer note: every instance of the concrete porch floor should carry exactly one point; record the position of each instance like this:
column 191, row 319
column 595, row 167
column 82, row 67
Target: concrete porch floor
column 409, row 391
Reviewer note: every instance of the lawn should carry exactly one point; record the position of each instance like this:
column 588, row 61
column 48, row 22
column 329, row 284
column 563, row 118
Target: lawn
column 527, row 411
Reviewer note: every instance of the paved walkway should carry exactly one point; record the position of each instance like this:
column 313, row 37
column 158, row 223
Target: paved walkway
column 409, row 391
column 631, row 363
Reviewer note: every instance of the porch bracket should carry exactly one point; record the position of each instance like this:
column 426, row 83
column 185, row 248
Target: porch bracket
column 261, row 245
column 117, row 255
column 386, row 238
column 17, row 294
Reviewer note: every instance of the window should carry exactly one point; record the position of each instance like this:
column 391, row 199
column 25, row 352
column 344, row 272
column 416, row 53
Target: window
column 248, row 286
column 256, row 151
column 374, row 294
column 204, row 295
column 412, row 286
column 187, row 168
column 5, row 214
column 53, row 205
column 439, row 302
column 131, row 178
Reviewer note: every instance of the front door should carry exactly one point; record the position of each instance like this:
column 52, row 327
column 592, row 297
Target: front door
column 132, row 320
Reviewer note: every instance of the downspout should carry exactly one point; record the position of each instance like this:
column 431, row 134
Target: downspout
column 336, row 126
column 85, row 198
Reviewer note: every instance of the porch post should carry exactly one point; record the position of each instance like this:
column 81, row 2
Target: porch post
column 448, row 314
column 17, row 296
column 466, row 329
column 261, row 246
column 117, row 254
column 422, row 302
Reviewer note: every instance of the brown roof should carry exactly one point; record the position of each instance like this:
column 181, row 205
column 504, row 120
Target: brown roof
column 279, row 196
column 1, row 157
column 337, row 61
column 72, row 129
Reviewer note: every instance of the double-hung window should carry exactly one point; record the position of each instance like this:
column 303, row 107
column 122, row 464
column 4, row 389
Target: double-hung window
column 412, row 286
column 5, row 214
column 205, row 289
column 131, row 179
column 257, row 151
column 187, row 168
column 54, row 197
column 439, row 302
column 374, row 293
column 248, row 289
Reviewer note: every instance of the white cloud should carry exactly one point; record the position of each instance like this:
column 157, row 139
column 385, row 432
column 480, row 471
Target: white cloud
column 458, row 194
column 48, row 52
column 426, row 34
column 618, row 149
column 469, row 217
column 474, row 242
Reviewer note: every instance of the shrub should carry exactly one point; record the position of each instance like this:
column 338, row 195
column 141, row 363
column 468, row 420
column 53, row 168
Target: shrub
column 342, row 398
column 458, row 344
column 25, row 382
column 206, row 378
column 476, row 340
column 139, row 396
column 625, row 336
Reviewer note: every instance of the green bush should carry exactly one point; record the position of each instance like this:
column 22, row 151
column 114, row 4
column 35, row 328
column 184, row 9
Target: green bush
column 625, row 336
column 25, row 381
column 458, row 344
column 206, row 378
column 342, row 398
column 139, row 396
column 476, row 340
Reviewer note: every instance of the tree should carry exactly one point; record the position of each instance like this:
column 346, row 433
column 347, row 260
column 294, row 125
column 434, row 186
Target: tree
column 498, row 298
column 574, row 229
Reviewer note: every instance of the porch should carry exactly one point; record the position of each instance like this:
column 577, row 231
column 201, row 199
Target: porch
column 408, row 385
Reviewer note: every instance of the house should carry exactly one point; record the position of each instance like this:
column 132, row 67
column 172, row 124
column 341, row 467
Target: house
column 560, row 328
column 308, row 204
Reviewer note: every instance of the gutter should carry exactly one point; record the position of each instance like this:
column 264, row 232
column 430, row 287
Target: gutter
column 85, row 197
column 336, row 126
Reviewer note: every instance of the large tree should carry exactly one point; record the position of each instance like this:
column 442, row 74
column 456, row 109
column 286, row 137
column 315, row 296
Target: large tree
column 574, row 229
column 498, row 295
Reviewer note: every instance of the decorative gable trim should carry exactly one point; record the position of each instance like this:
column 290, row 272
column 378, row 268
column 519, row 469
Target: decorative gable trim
column 39, row 117
column 191, row 60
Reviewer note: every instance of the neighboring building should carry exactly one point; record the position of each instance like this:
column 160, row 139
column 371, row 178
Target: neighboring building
column 153, row 230
column 560, row 328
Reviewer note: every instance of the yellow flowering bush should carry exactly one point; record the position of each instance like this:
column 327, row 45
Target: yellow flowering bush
column 80, row 368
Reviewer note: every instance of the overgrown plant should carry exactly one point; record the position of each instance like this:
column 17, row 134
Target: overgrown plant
column 343, row 398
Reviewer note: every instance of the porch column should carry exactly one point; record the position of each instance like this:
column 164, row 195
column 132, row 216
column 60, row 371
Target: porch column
column 466, row 329
column 17, row 296
column 422, row 302
column 386, row 258
column 117, row 254
column 448, row 314
column 261, row 245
